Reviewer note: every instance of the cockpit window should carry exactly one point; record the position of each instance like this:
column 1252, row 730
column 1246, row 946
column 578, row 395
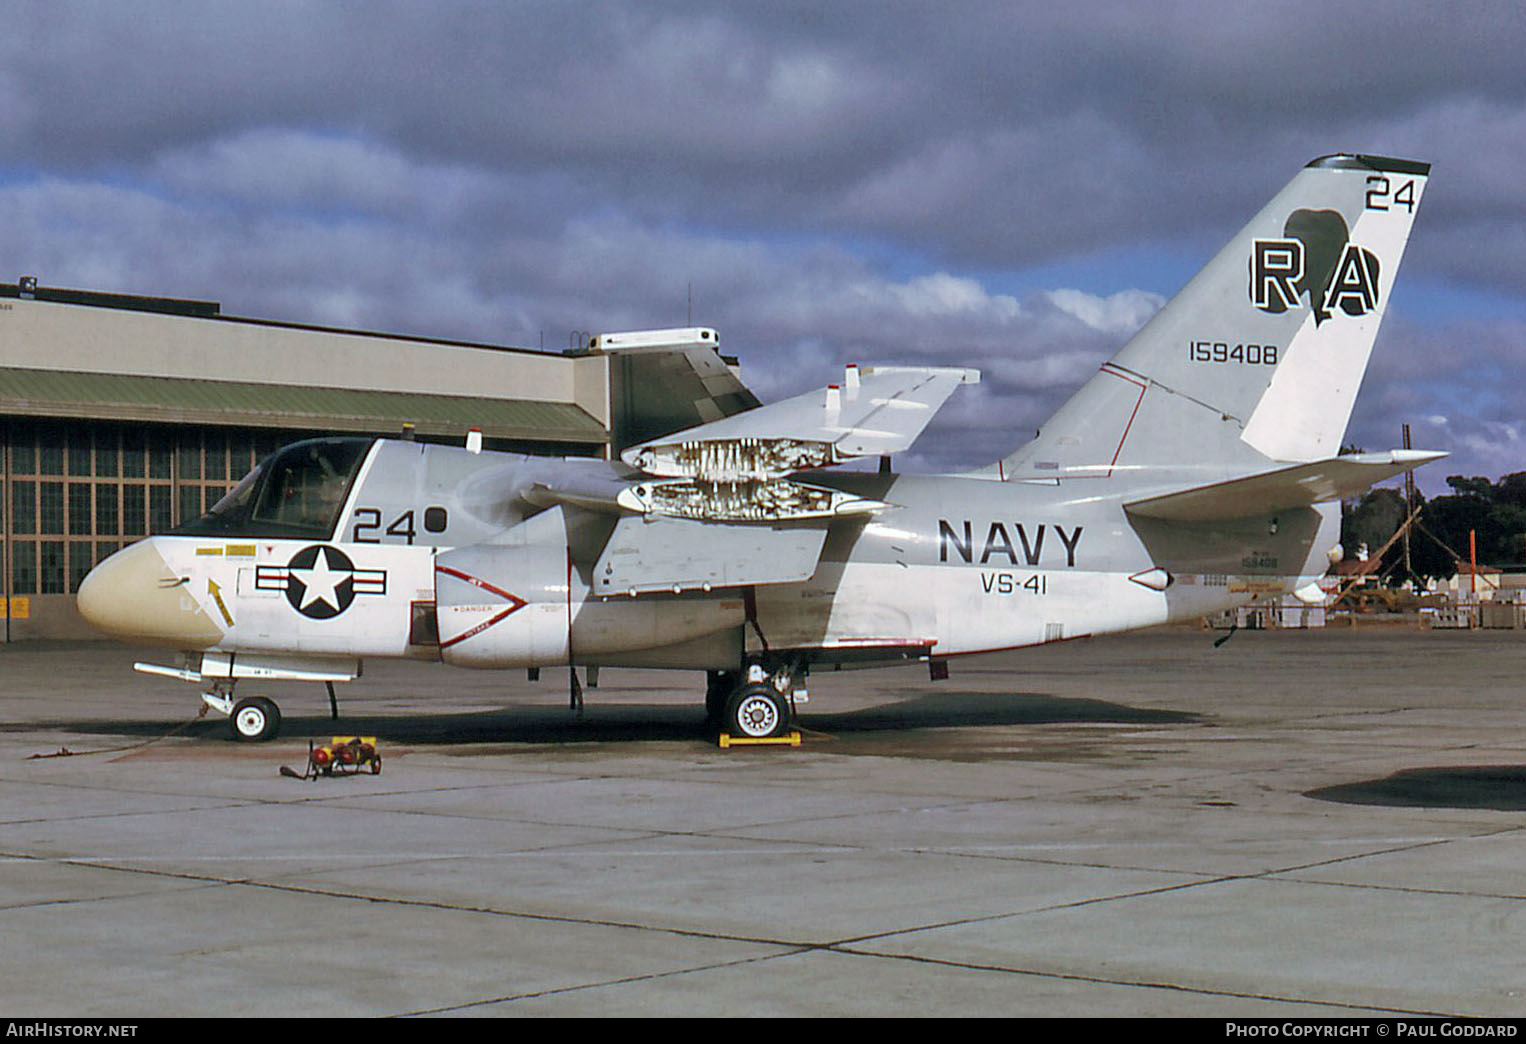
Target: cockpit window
column 296, row 492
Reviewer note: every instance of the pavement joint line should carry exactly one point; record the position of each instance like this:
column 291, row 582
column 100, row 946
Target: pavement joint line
column 337, row 801
column 749, row 846
column 850, row 947
column 847, row 942
column 596, row 922
column 447, row 907
column 107, row 899
column 648, row 832
column 1368, row 886
column 1265, row 875
column 603, row 984
column 130, row 814
column 1401, row 847
column 848, row 950
column 742, row 846
column 1208, row 991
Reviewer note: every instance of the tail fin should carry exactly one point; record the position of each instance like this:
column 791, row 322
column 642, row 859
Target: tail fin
column 1260, row 356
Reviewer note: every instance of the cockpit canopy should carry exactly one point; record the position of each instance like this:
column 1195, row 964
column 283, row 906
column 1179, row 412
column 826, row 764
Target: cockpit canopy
column 296, row 492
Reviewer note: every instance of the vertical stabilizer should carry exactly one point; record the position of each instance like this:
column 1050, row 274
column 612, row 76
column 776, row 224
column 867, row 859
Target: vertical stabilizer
column 1260, row 356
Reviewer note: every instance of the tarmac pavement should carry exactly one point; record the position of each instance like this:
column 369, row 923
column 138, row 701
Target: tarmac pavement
column 1298, row 824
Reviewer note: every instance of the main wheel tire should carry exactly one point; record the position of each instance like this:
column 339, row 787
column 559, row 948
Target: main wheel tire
column 757, row 712
column 255, row 720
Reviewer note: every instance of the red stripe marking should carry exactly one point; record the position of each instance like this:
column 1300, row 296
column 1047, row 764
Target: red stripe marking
column 516, row 603
column 1137, row 403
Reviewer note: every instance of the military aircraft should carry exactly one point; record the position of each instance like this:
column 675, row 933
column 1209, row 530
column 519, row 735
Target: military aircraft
column 1197, row 470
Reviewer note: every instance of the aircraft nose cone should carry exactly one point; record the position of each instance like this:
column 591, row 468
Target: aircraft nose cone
column 135, row 594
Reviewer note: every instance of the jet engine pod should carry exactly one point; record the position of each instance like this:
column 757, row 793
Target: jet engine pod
column 503, row 606
column 520, row 605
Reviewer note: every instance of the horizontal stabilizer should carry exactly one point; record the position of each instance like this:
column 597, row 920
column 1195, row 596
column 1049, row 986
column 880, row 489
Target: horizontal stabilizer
column 670, row 554
column 1299, row 485
column 875, row 411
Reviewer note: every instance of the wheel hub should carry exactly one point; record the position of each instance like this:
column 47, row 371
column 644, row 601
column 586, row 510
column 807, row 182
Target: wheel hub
column 757, row 716
column 250, row 721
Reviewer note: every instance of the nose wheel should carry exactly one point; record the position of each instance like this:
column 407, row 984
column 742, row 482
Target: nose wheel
column 255, row 720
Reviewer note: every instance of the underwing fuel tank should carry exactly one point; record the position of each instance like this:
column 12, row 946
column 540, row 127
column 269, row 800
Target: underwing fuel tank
column 525, row 604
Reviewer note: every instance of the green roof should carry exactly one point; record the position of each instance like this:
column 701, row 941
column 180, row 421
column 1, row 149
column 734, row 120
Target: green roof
column 175, row 400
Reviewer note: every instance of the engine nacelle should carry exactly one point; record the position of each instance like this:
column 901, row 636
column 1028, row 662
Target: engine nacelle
column 525, row 605
column 503, row 606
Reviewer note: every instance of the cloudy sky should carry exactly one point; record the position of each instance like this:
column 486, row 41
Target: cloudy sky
column 1012, row 186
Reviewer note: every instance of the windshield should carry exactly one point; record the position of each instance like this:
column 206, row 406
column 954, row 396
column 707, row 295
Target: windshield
column 297, row 491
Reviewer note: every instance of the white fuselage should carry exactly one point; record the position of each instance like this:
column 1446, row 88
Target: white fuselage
column 955, row 565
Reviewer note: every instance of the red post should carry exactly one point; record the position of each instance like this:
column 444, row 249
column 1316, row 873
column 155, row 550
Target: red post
column 1473, row 558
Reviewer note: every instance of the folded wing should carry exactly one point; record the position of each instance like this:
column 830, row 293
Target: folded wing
column 719, row 505
column 876, row 411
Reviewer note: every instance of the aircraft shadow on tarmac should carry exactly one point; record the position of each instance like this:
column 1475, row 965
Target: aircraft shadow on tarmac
column 609, row 722
column 951, row 709
column 1500, row 788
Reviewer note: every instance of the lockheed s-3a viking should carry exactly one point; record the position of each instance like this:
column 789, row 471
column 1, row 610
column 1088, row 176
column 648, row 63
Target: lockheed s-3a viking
column 1197, row 470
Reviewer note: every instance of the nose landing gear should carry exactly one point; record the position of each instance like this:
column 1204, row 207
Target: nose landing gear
column 254, row 719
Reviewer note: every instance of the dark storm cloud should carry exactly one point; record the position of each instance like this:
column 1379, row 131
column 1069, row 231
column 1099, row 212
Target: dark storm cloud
column 833, row 182
column 955, row 130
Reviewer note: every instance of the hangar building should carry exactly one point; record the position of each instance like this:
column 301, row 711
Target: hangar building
column 123, row 416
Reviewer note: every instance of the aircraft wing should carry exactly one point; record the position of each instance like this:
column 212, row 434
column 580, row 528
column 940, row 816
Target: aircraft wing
column 877, row 410
column 718, row 505
column 1299, row 485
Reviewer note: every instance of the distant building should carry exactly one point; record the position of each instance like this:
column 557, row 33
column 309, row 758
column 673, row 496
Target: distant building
column 1486, row 584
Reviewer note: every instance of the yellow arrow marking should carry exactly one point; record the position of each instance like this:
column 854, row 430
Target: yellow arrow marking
column 217, row 596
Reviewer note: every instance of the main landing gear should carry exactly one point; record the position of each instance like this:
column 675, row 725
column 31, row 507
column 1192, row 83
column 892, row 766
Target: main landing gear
column 753, row 703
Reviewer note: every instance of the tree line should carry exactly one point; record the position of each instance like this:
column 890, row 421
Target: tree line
column 1494, row 511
